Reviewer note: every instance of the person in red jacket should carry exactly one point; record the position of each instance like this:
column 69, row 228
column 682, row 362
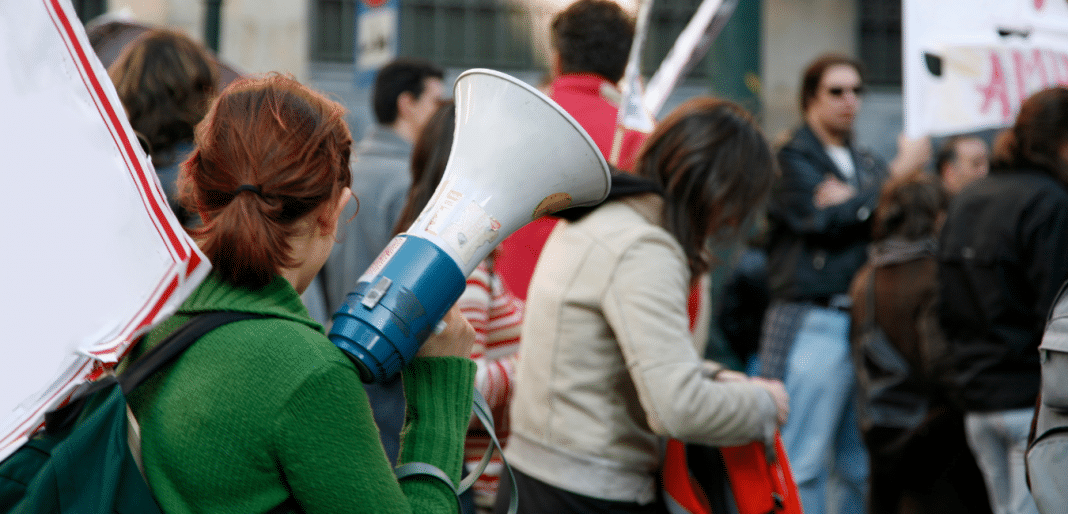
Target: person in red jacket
column 591, row 41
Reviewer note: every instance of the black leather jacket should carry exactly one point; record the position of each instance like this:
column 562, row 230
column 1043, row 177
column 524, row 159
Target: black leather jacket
column 1002, row 259
column 813, row 253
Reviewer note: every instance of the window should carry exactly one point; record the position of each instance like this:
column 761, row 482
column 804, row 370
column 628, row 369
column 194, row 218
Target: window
column 89, row 9
column 880, row 41
column 467, row 33
column 666, row 22
column 333, row 27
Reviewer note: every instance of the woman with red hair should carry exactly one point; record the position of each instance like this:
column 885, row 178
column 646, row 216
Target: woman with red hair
column 267, row 414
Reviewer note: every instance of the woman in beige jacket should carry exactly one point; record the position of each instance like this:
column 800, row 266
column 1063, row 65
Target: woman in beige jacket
column 608, row 368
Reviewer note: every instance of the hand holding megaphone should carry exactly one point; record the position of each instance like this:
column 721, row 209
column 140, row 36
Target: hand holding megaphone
column 516, row 156
column 453, row 336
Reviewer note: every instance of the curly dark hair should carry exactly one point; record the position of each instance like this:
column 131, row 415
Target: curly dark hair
column 593, row 36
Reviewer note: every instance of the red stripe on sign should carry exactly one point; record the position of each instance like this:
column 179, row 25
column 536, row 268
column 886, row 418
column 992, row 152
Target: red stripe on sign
column 111, row 132
column 125, row 144
column 194, row 263
column 143, row 321
column 36, row 423
column 159, row 304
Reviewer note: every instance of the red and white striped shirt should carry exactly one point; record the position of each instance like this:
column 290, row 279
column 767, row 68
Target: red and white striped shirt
column 497, row 317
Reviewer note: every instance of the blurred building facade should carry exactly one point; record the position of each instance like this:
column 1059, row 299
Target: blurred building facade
column 757, row 59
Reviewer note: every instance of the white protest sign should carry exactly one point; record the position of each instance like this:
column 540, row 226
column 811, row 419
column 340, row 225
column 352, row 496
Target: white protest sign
column 93, row 256
column 969, row 64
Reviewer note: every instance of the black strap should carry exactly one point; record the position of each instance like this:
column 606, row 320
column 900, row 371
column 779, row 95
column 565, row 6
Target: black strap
column 176, row 343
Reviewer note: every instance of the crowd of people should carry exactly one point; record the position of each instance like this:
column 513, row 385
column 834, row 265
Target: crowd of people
column 885, row 319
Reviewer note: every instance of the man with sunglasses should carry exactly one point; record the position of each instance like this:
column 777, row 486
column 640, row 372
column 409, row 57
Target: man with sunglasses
column 819, row 222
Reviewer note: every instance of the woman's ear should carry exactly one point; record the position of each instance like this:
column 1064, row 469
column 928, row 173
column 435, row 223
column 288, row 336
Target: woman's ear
column 328, row 223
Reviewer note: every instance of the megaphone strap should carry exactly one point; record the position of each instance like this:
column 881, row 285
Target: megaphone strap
column 421, row 468
column 482, row 411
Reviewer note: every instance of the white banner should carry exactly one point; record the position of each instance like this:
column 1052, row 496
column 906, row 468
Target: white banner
column 93, row 255
column 969, row 64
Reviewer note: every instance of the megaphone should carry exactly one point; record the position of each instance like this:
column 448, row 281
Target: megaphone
column 516, row 156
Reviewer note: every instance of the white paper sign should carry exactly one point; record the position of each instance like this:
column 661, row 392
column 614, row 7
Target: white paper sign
column 969, row 64
column 92, row 255
column 377, row 32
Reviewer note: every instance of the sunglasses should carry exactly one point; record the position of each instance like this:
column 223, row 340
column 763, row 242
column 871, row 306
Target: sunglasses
column 839, row 91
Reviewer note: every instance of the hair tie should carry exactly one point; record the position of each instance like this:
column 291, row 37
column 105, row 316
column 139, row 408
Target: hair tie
column 248, row 187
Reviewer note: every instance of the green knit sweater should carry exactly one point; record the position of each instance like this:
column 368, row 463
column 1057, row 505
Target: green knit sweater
column 262, row 413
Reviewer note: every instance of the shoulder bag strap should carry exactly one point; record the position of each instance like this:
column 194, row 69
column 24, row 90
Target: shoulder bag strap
column 173, row 345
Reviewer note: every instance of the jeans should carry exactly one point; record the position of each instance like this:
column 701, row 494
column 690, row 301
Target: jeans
column 999, row 441
column 821, row 437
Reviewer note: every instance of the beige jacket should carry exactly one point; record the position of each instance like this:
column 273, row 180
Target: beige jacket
column 608, row 367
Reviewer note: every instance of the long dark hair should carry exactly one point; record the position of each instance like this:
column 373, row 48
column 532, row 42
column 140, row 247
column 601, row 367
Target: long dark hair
column 430, row 154
column 288, row 142
column 1035, row 140
column 715, row 169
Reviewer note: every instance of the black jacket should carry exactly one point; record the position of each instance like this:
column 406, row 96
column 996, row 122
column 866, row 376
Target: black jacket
column 814, row 253
column 1003, row 256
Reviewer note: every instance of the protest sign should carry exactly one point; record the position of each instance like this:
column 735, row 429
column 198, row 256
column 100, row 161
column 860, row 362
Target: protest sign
column 93, row 255
column 969, row 64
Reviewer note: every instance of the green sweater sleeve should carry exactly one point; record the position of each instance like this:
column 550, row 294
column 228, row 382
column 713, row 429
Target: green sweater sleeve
column 328, row 448
column 439, row 393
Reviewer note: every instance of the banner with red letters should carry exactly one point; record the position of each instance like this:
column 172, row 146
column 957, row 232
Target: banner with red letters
column 969, row 64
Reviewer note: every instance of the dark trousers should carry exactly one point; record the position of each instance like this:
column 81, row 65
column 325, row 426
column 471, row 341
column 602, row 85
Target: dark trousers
column 537, row 497
column 929, row 471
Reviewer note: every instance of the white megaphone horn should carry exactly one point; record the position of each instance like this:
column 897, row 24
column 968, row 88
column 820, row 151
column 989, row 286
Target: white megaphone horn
column 516, row 156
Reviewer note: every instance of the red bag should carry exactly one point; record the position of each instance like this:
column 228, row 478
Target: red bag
column 756, row 485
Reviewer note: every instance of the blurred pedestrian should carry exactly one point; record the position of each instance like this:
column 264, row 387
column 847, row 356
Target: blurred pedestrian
column 819, row 229
column 920, row 462
column 608, row 366
column 406, row 94
column 1003, row 256
column 962, row 160
column 166, row 82
column 590, row 44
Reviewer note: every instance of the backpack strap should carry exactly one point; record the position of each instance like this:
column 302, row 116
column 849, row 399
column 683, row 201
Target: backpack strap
column 177, row 342
column 153, row 360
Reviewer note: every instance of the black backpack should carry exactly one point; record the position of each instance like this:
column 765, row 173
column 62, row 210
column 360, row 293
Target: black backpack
column 81, row 462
